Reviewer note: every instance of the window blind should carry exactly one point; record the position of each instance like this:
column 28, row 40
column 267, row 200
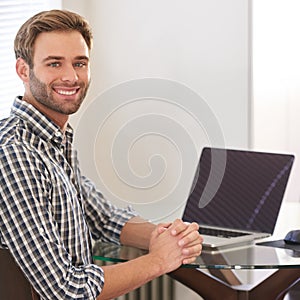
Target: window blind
column 12, row 15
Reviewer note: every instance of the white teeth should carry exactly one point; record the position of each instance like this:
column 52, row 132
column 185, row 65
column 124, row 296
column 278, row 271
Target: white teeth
column 68, row 93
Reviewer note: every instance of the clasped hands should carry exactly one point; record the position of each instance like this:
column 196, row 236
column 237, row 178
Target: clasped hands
column 176, row 243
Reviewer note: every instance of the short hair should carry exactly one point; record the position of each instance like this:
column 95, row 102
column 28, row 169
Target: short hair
column 47, row 21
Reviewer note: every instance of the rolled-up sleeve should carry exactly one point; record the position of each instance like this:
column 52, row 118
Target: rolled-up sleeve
column 105, row 220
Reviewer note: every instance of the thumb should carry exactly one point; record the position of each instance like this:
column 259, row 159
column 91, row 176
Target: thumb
column 163, row 227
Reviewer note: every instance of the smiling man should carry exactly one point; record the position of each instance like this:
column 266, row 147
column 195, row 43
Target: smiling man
column 49, row 211
column 59, row 77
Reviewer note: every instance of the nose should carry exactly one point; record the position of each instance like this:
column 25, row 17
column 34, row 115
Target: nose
column 69, row 74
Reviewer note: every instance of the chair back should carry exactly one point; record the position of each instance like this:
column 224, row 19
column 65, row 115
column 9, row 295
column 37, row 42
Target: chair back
column 13, row 283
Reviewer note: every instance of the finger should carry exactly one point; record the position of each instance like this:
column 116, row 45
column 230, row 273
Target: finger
column 190, row 227
column 178, row 227
column 163, row 227
column 194, row 250
column 159, row 229
column 166, row 225
column 190, row 260
column 192, row 238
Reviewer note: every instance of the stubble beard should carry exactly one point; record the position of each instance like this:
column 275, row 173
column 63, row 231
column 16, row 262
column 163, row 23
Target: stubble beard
column 45, row 95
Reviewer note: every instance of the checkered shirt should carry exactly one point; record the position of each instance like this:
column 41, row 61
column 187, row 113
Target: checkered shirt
column 48, row 210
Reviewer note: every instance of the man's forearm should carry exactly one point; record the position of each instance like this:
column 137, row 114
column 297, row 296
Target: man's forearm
column 120, row 279
column 137, row 232
column 168, row 250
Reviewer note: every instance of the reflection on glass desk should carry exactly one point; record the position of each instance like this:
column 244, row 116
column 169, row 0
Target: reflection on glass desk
column 250, row 257
column 253, row 272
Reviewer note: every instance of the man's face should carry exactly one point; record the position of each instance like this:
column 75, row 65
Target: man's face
column 59, row 79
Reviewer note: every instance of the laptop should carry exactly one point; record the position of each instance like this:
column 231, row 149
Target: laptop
column 236, row 195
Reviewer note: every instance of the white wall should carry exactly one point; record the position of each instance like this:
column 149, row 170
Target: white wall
column 276, row 83
column 140, row 138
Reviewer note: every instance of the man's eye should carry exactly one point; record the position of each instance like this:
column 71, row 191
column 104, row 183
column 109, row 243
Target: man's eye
column 79, row 64
column 54, row 64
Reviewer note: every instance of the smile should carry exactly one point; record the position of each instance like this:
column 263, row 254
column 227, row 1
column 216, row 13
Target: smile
column 66, row 92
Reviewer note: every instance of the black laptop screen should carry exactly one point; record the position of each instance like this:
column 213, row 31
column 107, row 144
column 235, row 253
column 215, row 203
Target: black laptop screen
column 238, row 189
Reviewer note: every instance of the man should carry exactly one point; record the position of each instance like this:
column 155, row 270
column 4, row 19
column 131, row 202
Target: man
column 48, row 210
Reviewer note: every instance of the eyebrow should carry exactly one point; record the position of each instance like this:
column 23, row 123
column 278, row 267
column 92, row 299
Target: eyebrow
column 54, row 57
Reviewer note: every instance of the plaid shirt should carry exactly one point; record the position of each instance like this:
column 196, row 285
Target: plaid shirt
column 48, row 211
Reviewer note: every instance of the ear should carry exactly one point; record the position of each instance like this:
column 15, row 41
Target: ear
column 22, row 69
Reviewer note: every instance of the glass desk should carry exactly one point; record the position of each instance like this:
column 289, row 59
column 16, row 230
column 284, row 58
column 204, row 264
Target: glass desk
column 252, row 272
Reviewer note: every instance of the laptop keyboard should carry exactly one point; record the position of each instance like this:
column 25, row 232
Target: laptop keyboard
column 221, row 232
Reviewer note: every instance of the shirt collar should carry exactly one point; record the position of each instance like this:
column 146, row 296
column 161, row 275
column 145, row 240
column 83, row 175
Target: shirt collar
column 41, row 125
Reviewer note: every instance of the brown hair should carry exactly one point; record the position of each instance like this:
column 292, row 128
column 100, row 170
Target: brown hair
column 47, row 21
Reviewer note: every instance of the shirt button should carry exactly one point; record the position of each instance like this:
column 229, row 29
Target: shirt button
column 57, row 134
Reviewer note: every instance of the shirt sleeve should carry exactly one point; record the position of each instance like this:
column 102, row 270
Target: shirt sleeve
column 30, row 232
column 105, row 220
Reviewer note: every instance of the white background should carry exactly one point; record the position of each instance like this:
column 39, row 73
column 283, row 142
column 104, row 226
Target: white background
column 202, row 45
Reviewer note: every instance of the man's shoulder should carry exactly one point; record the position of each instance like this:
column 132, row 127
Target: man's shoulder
column 8, row 127
column 18, row 145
